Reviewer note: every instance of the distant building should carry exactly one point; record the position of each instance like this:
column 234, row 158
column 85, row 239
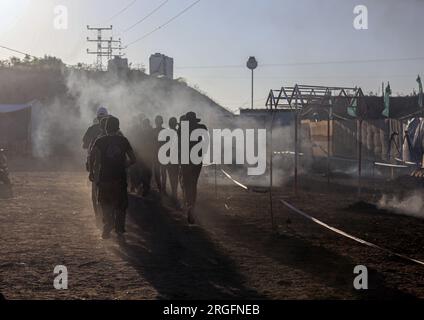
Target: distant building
column 117, row 64
column 161, row 66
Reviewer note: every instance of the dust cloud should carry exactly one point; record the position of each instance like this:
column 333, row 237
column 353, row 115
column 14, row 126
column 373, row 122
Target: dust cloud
column 58, row 126
column 411, row 205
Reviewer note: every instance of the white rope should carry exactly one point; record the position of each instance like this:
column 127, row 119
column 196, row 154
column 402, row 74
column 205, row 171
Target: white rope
column 407, row 162
column 338, row 231
column 381, row 164
column 235, row 181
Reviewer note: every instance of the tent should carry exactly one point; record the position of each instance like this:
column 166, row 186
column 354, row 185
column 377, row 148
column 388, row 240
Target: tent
column 15, row 128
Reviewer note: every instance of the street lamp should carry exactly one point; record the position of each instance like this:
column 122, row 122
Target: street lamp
column 252, row 64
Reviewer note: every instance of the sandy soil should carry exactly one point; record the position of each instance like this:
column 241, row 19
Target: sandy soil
column 232, row 253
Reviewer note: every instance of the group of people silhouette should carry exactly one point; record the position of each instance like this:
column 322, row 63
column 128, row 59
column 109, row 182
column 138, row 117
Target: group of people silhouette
column 116, row 166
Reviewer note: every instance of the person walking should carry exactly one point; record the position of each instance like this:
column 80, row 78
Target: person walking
column 190, row 172
column 94, row 130
column 159, row 170
column 90, row 136
column 173, row 170
column 112, row 154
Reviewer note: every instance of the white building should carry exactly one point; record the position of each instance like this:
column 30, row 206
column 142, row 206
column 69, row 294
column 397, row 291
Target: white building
column 161, row 65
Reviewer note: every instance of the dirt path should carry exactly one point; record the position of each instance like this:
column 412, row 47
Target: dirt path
column 232, row 254
column 50, row 223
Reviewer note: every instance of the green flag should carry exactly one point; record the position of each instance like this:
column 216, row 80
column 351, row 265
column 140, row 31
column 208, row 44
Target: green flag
column 420, row 94
column 352, row 109
column 387, row 93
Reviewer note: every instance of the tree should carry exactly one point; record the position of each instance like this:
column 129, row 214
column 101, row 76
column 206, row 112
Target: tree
column 15, row 61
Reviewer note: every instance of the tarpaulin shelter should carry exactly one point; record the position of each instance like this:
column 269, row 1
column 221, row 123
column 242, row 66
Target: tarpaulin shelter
column 15, row 128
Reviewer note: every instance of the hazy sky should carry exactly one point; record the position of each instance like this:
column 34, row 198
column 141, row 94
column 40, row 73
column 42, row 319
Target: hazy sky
column 227, row 32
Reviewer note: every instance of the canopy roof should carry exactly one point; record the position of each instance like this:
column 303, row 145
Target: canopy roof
column 6, row 108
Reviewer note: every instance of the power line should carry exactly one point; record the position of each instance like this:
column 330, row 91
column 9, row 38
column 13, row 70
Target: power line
column 345, row 61
column 122, row 11
column 165, row 24
column 29, row 55
column 347, row 76
column 17, row 51
column 213, row 67
column 146, row 16
column 305, row 63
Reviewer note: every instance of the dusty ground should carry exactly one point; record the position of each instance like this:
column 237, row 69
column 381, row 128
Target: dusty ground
column 233, row 253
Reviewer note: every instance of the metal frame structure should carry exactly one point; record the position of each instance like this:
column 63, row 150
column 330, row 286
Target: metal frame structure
column 306, row 96
column 302, row 99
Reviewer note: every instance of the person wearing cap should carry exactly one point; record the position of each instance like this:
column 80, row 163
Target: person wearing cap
column 94, row 130
column 190, row 172
column 112, row 154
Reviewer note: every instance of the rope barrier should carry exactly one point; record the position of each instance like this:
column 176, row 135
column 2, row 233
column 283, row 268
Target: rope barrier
column 244, row 187
column 338, row 231
column 290, row 153
column 233, row 180
column 382, row 164
column 406, row 162
column 345, row 234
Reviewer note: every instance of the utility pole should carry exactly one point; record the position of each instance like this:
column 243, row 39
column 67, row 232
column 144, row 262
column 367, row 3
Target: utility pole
column 110, row 48
column 100, row 49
